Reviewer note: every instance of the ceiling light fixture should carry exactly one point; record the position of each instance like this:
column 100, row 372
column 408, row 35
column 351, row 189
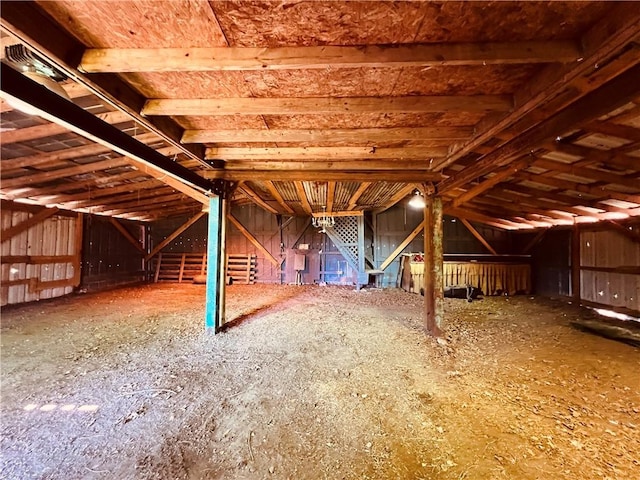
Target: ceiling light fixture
column 323, row 220
column 417, row 201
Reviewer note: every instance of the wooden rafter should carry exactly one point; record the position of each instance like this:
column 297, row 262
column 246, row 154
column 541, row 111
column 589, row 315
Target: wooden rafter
column 302, row 195
column 238, row 58
column 324, row 105
column 331, row 195
column 353, row 201
column 8, row 166
column 255, row 198
column 278, row 198
column 51, row 129
column 351, row 135
column 302, row 153
column 604, row 39
column 399, row 195
column 364, row 164
column 614, row 94
column 338, row 175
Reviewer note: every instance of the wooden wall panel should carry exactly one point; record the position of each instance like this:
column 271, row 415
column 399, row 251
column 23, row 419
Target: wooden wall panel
column 606, row 250
column 25, row 275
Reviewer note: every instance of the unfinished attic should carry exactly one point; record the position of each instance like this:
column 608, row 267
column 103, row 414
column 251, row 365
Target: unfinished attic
column 232, row 231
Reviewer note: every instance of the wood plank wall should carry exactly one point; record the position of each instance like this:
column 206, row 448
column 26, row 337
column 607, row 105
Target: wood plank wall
column 607, row 275
column 40, row 262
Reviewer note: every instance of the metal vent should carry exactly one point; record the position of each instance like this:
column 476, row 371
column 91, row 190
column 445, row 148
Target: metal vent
column 28, row 61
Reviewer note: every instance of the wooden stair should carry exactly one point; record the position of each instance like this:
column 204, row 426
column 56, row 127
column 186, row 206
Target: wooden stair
column 183, row 267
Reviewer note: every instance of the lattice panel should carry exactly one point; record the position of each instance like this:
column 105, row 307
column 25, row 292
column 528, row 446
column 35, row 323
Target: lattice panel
column 345, row 236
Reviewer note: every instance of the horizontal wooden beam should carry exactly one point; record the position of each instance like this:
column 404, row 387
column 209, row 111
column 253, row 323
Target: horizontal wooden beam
column 347, row 135
column 337, row 175
column 325, row 153
column 325, row 105
column 319, row 164
column 338, row 214
column 113, row 60
column 37, row 259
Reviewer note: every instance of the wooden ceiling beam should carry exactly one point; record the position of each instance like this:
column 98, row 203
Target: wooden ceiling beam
column 255, row 198
column 38, row 31
column 612, row 95
column 70, row 186
column 397, row 197
column 114, row 199
column 347, row 135
column 119, row 60
column 324, row 153
column 469, row 214
column 278, row 197
column 353, row 201
column 331, row 195
column 595, row 190
column 498, row 177
column 337, row 175
column 302, row 195
column 606, row 157
column 93, row 194
column 142, row 203
column 563, row 84
column 324, row 105
column 93, row 149
column 631, row 181
column 319, row 164
column 51, row 129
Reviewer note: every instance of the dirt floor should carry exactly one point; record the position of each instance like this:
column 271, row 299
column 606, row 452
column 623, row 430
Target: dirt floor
column 313, row 383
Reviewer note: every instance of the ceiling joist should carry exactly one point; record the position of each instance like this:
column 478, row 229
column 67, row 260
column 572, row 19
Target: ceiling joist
column 115, row 60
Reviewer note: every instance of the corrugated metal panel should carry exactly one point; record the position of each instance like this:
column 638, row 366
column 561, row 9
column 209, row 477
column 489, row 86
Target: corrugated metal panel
column 316, row 194
column 344, row 191
column 288, row 191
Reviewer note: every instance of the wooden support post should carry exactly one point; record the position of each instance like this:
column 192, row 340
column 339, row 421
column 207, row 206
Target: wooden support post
column 433, row 267
column 575, row 262
column 216, row 268
column 361, row 260
column 78, row 239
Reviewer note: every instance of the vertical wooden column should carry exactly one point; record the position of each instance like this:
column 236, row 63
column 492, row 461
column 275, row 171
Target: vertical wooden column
column 575, row 262
column 216, row 264
column 362, row 275
column 433, row 267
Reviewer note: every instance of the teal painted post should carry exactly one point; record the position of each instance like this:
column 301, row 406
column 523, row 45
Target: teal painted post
column 216, row 265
